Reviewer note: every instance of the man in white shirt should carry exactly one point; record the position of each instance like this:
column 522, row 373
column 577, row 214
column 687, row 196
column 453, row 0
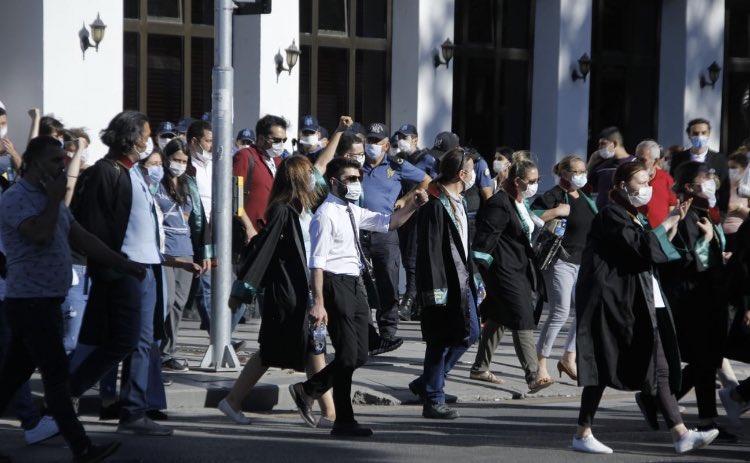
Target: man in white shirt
column 340, row 300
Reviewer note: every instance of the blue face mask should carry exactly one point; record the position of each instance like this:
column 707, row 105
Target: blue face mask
column 699, row 142
column 156, row 173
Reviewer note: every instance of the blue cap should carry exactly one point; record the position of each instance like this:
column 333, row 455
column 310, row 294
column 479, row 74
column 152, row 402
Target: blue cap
column 446, row 141
column 407, row 129
column 184, row 123
column 246, row 134
column 356, row 128
column 206, row 116
column 377, row 130
column 308, row 123
column 167, row 128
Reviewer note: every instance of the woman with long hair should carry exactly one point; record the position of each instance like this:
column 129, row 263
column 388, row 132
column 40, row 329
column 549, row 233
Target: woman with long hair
column 626, row 338
column 445, row 281
column 515, row 286
column 277, row 261
column 565, row 201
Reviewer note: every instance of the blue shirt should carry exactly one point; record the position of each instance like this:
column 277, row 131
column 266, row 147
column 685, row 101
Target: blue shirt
column 141, row 242
column 34, row 271
column 175, row 223
column 381, row 184
column 483, row 174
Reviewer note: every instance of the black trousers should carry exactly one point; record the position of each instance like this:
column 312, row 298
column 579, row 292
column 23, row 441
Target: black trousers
column 36, row 328
column 702, row 377
column 383, row 250
column 407, row 241
column 348, row 321
column 743, row 389
column 665, row 400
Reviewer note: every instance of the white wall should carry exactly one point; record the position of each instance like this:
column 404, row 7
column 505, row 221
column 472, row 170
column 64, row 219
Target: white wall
column 21, row 67
column 257, row 40
column 420, row 94
column 692, row 37
column 83, row 92
column 560, row 107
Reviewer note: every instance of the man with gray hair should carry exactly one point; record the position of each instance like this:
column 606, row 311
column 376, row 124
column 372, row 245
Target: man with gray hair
column 663, row 198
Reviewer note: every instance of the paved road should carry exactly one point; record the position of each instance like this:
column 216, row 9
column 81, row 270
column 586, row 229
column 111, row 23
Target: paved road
column 536, row 430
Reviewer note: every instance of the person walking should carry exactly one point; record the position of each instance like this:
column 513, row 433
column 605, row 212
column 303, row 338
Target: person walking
column 339, row 297
column 565, row 201
column 445, row 281
column 626, row 338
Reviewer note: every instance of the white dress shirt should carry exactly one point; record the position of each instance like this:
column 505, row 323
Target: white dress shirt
column 203, row 176
column 333, row 248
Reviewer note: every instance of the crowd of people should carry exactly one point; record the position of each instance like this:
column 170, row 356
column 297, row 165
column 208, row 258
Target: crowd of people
column 646, row 254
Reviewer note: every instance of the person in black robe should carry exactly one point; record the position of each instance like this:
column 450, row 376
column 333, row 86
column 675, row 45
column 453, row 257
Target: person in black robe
column 693, row 288
column 445, row 281
column 515, row 285
column 276, row 260
column 626, row 338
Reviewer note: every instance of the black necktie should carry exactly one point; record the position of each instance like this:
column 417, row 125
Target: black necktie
column 363, row 261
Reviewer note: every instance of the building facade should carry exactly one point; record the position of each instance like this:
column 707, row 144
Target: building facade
column 509, row 83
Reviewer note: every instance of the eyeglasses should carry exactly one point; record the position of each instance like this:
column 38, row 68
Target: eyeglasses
column 277, row 140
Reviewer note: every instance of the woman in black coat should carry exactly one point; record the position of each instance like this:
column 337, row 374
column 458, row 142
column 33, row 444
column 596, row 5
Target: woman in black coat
column 694, row 289
column 276, row 260
column 626, row 339
column 515, row 286
column 445, row 281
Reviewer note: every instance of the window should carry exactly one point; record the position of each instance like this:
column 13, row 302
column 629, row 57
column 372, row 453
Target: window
column 345, row 60
column 624, row 70
column 168, row 58
column 735, row 113
column 492, row 75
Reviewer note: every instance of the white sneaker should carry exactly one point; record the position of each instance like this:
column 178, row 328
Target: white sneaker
column 234, row 415
column 589, row 444
column 694, row 439
column 45, row 429
column 733, row 408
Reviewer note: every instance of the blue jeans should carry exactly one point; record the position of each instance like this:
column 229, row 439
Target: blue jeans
column 156, row 397
column 440, row 360
column 74, row 307
column 203, row 299
column 22, row 403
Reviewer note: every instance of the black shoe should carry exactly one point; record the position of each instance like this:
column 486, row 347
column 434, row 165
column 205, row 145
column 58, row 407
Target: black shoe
column 405, row 308
column 350, row 430
column 386, row 344
column 96, row 453
column 110, row 412
column 648, row 409
column 5, row 458
column 144, row 426
column 237, row 345
column 724, row 436
column 439, row 412
column 174, row 365
column 157, row 415
column 304, row 403
column 417, row 388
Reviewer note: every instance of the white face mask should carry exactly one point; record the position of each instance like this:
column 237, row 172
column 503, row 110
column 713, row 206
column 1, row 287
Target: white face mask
column 579, row 181
column 708, row 191
column 177, row 169
column 469, row 181
column 4, row 132
column 499, row 167
column 147, row 150
column 606, row 153
column 735, row 174
column 642, row 198
column 353, row 191
column 163, row 142
column 276, row 150
column 373, row 151
column 404, row 146
column 309, row 140
column 531, row 190
column 360, row 159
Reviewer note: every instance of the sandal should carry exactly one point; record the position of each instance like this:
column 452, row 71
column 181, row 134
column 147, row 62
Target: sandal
column 486, row 376
column 540, row 384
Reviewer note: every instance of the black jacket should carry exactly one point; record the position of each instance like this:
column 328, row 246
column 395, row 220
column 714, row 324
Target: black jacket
column 275, row 260
column 514, row 283
column 616, row 318
column 716, row 162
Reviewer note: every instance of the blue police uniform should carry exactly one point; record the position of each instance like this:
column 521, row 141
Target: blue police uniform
column 382, row 186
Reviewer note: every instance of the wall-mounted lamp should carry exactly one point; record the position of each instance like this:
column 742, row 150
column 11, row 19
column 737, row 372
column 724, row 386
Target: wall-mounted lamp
column 97, row 33
column 292, row 55
column 713, row 75
column 584, row 67
column 446, row 50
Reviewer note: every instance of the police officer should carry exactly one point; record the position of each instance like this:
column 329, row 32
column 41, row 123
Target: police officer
column 308, row 143
column 382, row 185
column 482, row 189
column 245, row 138
column 167, row 131
column 407, row 148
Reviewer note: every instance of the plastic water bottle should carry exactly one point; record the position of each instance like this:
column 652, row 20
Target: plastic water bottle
column 560, row 228
column 319, row 339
